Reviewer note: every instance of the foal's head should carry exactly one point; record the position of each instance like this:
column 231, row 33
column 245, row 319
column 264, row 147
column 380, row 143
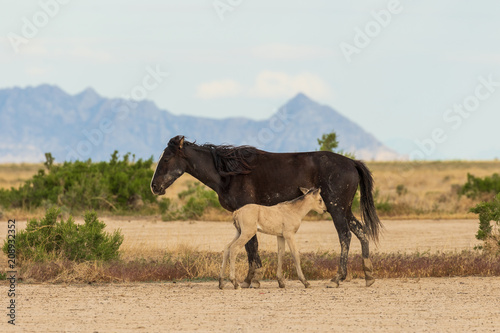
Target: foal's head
column 171, row 166
column 315, row 199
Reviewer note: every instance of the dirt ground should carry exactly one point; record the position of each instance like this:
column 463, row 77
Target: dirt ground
column 469, row 304
column 459, row 304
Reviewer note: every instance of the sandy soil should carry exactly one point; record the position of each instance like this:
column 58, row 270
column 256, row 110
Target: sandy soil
column 391, row 305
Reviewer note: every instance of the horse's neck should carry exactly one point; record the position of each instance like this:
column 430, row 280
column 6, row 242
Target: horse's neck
column 201, row 167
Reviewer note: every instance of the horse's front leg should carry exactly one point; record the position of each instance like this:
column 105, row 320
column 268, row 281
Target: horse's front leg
column 254, row 264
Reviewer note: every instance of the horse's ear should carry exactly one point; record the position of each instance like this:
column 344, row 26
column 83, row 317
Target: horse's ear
column 304, row 190
column 181, row 143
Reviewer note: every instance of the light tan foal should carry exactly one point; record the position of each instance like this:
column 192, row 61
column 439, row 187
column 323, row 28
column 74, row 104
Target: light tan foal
column 282, row 220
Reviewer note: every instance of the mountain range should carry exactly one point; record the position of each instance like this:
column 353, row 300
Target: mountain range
column 35, row 120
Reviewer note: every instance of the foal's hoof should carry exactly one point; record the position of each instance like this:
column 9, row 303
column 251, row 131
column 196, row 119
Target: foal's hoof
column 245, row 284
column 370, row 282
column 281, row 283
column 221, row 283
column 255, row 284
column 307, row 284
column 235, row 284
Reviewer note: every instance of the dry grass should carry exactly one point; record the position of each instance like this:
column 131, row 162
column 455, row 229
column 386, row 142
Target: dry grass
column 13, row 175
column 186, row 264
column 427, row 189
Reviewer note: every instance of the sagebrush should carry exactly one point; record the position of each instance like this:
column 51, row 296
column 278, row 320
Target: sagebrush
column 489, row 211
column 477, row 185
column 49, row 238
column 197, row 199
column 117, row 185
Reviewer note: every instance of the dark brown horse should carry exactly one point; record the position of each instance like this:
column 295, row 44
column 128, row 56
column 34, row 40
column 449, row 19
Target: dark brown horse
column 243, row 175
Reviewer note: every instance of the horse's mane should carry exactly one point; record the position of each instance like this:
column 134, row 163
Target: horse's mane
column 230, row 160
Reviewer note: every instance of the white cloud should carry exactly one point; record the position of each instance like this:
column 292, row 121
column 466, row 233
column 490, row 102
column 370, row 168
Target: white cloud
column 267, row 84
column 280, row 84
column 219, row 89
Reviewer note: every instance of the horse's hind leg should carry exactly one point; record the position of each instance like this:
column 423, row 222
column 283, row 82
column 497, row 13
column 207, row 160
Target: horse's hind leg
column 281, row 252
column 296, row 257
column 357, row 229
column 340, row 221
column 225, row 257
column 254, row 264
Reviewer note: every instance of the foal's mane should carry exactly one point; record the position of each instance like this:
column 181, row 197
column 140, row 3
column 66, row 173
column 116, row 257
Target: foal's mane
column 230, row 160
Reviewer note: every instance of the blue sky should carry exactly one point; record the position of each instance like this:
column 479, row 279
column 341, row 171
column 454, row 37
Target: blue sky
column 422, row 76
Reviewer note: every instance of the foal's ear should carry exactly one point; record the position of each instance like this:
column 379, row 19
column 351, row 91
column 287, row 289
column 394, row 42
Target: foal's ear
column 181, row 143
column 304, row 190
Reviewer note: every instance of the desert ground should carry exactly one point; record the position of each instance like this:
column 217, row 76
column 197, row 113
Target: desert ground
column 469, row 304
column 457, row 304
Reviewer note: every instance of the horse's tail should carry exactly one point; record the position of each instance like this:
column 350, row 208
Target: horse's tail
column 369, row 215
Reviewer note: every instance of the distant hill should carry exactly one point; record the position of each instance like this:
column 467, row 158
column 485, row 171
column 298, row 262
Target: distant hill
column 41, row 119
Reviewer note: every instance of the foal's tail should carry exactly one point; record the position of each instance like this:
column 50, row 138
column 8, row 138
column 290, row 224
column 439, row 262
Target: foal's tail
column 369, row 215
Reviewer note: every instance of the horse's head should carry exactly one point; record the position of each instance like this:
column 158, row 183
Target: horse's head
column 171, row 165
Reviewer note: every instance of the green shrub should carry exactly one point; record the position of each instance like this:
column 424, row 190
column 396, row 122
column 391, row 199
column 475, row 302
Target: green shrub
column 475, row 185
column 198, row 200
column 489, row 211
column 164, row 205
column 83, row 185
column 401, row 189
column 48, row 238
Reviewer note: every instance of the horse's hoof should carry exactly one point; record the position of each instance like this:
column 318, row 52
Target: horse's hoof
column 281, row 284
column 332, row 284
column 307, row 284
column 237, row 286
column 245, row 284
column 370, row 282
column 221, row 283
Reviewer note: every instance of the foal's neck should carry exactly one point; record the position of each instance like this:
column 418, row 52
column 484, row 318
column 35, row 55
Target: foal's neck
column 301, row 207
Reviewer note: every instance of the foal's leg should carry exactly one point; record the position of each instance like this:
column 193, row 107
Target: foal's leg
column 357, row 229
column 225, row 257
column 234, row 249
column 281, row 252
column 296, row 257
column 341, row 224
